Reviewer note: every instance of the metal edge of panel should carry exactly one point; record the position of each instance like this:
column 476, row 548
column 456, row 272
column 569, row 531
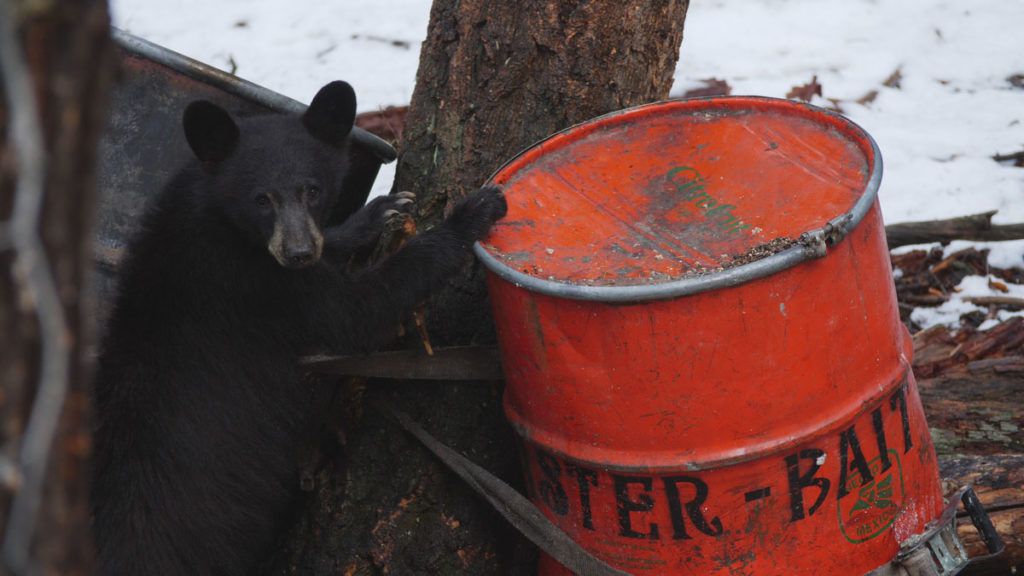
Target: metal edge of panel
column 237, row 86
column 811, row 245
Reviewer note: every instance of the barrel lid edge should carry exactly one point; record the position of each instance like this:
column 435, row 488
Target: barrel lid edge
column 659, row 291
column 813, row 243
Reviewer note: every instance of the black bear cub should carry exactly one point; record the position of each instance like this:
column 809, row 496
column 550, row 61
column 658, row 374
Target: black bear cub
column 234, row 276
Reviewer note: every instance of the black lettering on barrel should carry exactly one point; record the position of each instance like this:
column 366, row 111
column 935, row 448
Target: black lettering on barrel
column 850, row 445
column 693, row 508
column 899, row 400
column 627, row 506
column 879, row 426
column 550, row 484
column 585, row 479
column 798, row 482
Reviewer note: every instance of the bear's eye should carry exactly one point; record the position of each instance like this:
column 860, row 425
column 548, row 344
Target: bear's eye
column 312, row 192
column 263, row 202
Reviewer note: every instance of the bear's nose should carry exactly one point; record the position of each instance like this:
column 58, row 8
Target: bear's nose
column 300, row 256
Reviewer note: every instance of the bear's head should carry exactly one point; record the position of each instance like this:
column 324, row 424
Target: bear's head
column 276, row 178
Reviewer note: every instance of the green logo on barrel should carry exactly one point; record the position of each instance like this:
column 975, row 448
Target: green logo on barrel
column 870, row 508
column 690, row 185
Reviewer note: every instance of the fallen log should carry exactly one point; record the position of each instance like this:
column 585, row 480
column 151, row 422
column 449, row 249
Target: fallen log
column 972, row 389
column 1016, row 157
column 974, row 227
column 998, row 480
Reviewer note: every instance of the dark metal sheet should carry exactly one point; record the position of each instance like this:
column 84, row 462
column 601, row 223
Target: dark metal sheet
column 458, row 363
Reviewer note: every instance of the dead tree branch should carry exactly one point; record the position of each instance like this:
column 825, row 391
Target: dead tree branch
column 974, row 227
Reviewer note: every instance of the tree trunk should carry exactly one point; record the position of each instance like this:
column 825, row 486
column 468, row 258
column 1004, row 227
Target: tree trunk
column 493, row 79
column 497, row 77
column 55, row 74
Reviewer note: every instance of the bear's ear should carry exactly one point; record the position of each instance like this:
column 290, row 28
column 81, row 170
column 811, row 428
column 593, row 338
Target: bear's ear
column 210, row 131
column 331, row 114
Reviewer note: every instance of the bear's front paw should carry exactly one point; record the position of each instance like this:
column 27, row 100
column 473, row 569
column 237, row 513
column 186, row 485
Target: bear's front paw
column 474, row 215
column 384, row 208
column 361, row 231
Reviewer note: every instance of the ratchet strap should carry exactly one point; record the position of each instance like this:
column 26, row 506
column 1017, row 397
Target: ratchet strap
column 512, row 505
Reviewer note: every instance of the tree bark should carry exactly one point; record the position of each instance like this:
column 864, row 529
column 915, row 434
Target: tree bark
column 497, row 77
column 57, row 69
column 493, row 79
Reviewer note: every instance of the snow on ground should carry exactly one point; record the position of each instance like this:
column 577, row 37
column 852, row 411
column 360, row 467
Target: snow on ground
column 1001, row 255
column 949, row 312
column 954, row 106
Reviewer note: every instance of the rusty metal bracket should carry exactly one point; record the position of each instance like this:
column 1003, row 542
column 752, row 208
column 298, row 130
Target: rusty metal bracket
column 938, row 551
column 818, row 241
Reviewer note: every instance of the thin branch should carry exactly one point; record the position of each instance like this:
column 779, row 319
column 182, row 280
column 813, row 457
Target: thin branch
column 38, row 290
column 1014, row 156
column 996, row 301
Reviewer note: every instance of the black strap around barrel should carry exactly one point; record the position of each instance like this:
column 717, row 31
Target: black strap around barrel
column 512, row 505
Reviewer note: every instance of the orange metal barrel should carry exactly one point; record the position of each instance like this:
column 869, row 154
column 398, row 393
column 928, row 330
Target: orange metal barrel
column 699, row 329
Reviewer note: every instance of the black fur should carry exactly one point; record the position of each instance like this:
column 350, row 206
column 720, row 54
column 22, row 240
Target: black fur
column 200, row 413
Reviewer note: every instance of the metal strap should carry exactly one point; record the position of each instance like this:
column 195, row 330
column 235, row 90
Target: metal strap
column 512, row 505
column 938, row 550
column 454, row 363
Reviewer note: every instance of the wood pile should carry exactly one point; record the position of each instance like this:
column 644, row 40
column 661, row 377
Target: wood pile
column 972, row 388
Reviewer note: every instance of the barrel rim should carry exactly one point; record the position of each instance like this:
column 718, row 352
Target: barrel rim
column 811, row 245
column 236, row 86
column 668, row 461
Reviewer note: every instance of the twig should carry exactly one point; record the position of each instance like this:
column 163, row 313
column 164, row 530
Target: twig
column 924, row 299
column 995, row 301
column 1015, row 156
column 38, row 290
column 946, row 262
